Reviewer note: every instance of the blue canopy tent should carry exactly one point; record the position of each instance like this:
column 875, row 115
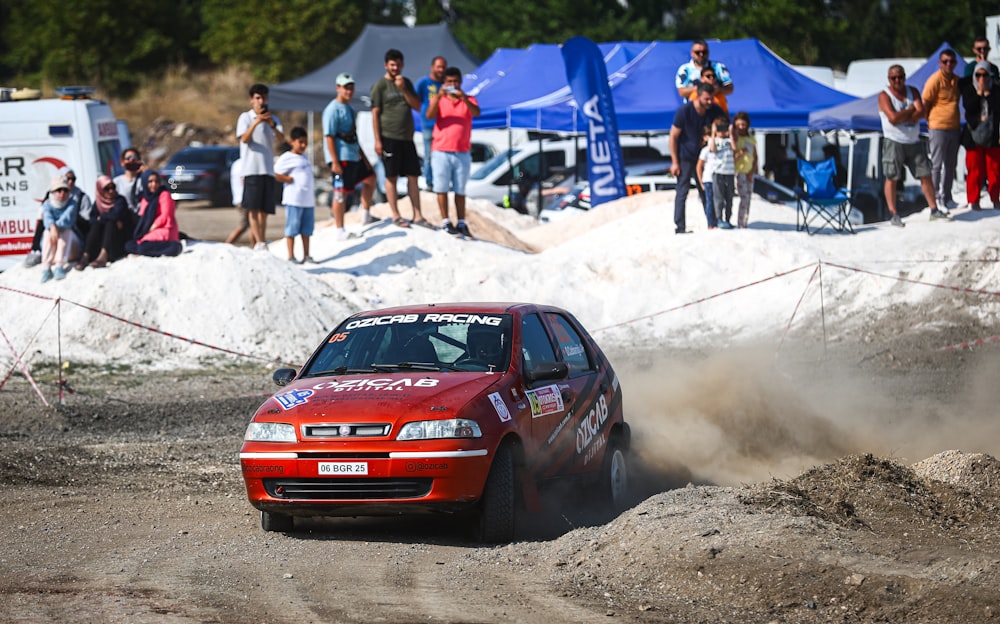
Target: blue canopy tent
column 534, row 95
column 862, row 115
column 534, row 78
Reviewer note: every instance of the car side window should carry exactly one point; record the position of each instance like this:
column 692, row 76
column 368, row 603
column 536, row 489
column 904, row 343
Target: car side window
column 570, row 344
column 535, row 344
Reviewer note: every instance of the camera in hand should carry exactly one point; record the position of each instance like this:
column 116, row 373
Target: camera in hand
column 449, row 89
column 263, row 109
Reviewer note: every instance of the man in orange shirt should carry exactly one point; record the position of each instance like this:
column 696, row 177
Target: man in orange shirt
column 941, row 98
column 450, row 149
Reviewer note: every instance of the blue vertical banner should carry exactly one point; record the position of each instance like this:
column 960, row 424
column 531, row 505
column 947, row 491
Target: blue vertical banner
column 588, row 78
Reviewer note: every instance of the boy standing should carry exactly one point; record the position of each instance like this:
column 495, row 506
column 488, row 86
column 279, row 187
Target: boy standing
column 724, row 181
column 295, row 172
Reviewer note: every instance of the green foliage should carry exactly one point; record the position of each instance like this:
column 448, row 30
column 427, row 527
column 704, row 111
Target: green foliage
column 113, row 46
column 278, row 40
column 484, row 25
column 95, row 41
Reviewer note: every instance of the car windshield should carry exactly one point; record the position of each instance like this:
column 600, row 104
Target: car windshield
column 491, row 165
column 416, row 341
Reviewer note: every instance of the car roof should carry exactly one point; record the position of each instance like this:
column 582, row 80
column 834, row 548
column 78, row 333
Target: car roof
column 446, row 308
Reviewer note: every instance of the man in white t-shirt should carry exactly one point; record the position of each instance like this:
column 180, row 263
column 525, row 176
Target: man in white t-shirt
column 258, row 130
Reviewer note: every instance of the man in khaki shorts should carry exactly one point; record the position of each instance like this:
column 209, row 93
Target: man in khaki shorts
column 900, row 108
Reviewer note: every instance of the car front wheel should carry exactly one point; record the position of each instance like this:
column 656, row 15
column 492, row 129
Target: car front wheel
column 497, row 506
column 275, row 522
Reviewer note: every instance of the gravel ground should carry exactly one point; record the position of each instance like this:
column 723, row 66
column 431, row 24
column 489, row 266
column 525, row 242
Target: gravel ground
column 125, row 504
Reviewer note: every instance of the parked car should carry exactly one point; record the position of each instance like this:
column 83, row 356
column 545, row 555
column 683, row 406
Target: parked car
column 201, row 174
column 640, row 177
column 499, row 177
column 451, row 408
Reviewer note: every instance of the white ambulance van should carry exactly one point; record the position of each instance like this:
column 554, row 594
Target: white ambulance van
column 42, row 138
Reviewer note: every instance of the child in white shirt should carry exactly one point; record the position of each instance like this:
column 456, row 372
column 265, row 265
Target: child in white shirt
column 705, row 170
column 293, row 169
column 724, row 184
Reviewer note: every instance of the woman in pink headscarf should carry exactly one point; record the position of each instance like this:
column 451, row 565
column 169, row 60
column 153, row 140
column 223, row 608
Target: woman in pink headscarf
column 106, row 237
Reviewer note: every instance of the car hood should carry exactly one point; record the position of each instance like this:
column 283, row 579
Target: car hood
column 378, row 397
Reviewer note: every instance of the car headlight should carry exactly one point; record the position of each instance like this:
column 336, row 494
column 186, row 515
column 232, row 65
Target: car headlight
column 270, row 432
column 431, row 429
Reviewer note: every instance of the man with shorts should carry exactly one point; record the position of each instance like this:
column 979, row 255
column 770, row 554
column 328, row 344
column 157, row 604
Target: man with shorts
column 453, row 111
column 257, row 130
column 900, row 109
column 392, row 99
column 343, row 153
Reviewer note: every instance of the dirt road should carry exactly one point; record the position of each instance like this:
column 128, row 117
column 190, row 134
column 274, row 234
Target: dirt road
column 126, row 505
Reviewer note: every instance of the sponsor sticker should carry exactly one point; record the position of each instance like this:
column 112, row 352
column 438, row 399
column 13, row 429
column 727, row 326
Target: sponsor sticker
column 500, row 407
column 545, row 401
column 292, row 398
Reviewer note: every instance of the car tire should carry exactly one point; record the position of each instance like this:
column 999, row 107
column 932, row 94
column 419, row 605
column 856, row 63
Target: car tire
column 275, row 522
column 497, row 505
column 614, row 476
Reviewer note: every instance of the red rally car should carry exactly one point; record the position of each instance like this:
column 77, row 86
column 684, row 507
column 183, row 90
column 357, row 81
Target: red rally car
column 450, row 408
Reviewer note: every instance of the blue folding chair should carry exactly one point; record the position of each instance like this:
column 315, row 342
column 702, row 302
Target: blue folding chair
column 820, row 202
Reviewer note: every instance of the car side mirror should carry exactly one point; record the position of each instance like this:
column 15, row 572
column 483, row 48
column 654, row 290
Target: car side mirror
column 547, row 371
column 283, row 376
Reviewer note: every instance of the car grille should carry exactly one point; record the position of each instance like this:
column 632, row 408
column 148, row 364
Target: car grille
column 346, row 430
column 347, row 489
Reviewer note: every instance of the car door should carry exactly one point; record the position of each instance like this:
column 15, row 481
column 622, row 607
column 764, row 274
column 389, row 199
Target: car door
column 559, row 407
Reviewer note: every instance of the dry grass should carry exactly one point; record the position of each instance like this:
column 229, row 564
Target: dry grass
column 207, row 99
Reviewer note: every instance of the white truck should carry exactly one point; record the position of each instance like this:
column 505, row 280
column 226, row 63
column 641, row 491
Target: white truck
column 42, row 138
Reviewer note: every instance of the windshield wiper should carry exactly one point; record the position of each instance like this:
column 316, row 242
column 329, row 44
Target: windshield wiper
column 428, row 366
column 341, row 370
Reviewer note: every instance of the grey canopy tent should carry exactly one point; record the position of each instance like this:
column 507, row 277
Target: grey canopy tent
column 364, row 60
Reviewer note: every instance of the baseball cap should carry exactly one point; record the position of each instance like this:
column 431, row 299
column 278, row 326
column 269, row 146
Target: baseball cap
column 58, row 182
column 344, row 79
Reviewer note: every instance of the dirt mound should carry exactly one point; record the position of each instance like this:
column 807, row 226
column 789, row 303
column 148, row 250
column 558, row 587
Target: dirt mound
column 866, row 492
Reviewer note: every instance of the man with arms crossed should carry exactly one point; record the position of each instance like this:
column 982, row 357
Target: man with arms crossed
column 900, row 109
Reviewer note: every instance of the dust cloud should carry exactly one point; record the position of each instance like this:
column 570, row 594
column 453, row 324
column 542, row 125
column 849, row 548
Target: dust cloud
column 743, row 415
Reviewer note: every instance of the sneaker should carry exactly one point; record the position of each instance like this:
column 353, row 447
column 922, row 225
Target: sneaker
column 368, row 218
column 308, row 260
column 293, row 260
column 895, row 220
column 260, row 247
column 950, row 204
column 451, row 229
column 46, row 275
column 463, row 229
column 725, row 225
column 59, row 273
column 939, row 215
column 975, row 207
column 33, row 258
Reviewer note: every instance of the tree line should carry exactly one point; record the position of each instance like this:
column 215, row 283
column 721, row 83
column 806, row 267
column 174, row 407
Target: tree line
column 116, row 46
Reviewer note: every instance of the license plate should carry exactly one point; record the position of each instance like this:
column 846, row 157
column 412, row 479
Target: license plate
column 182, row 177
column 343, row 468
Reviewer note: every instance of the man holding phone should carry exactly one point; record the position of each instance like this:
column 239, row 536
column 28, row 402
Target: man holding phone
column 257, row 130
column 453, row 110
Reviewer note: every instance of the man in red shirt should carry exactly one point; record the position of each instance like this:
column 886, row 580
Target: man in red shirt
column 451, row 161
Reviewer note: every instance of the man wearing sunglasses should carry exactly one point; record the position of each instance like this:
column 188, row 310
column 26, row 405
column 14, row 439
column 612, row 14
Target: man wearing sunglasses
column 900, row 108
column 689, row 74
column 941, row 97
column 981, row 49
